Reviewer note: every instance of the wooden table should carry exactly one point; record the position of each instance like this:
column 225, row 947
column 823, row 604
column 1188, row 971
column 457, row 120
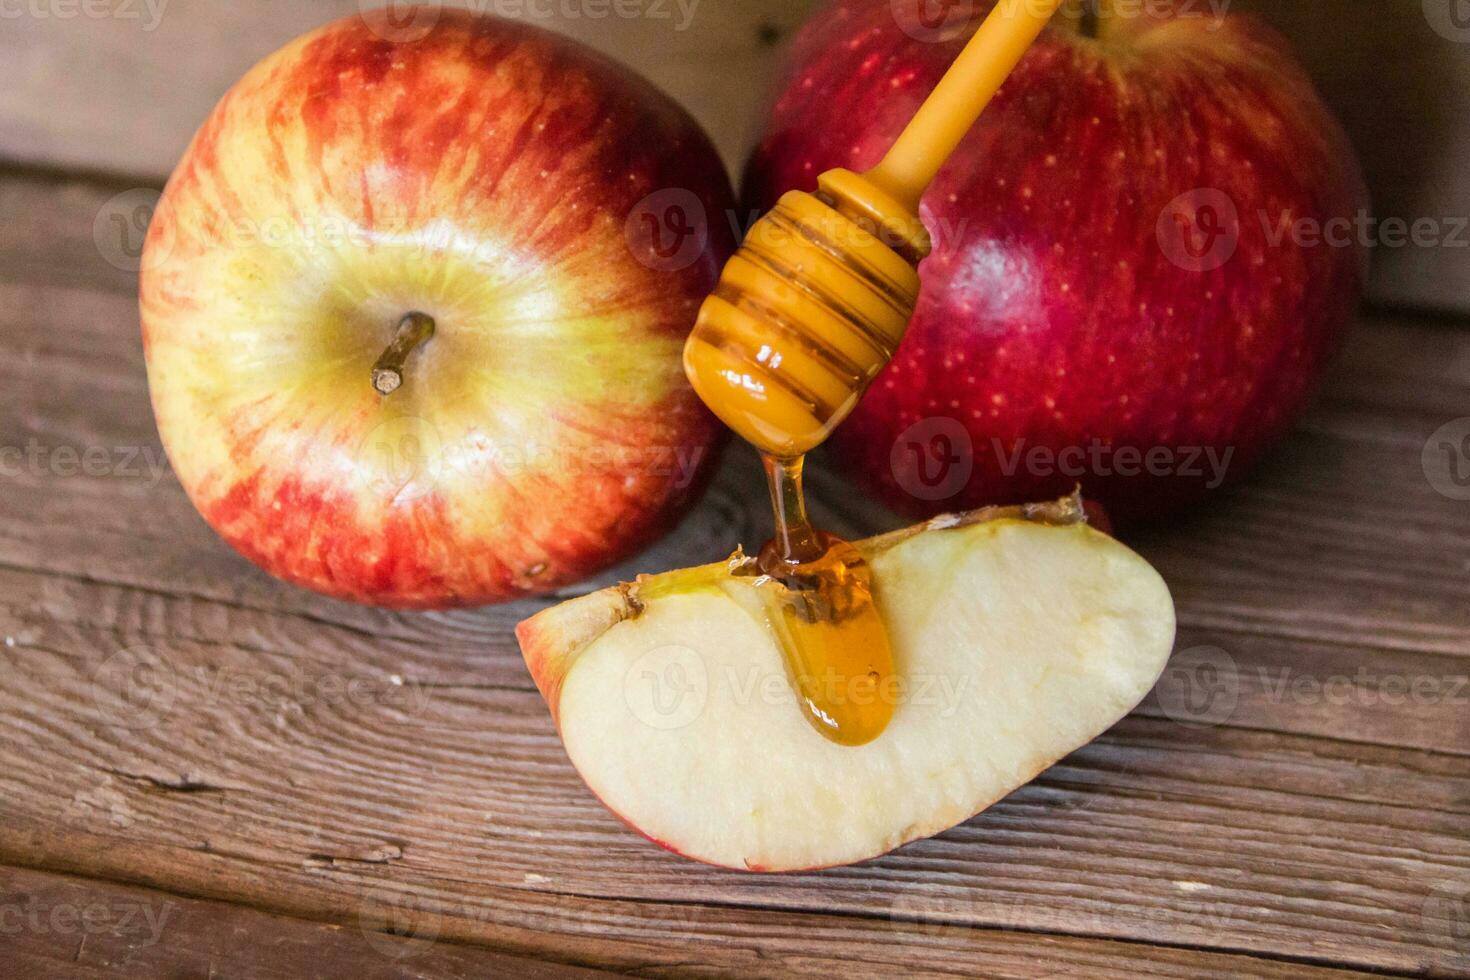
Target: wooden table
column 362, row 771
column 294, row 786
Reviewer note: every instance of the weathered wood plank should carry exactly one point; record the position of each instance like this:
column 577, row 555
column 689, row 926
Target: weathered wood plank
column 309, row 755
column 463, row 749
column 141, row 932
column 60, row 925
column 262, row 781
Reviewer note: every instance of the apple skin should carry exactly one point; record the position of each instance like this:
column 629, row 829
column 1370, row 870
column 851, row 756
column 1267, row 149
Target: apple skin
column 1052, row 317
column 487, row 174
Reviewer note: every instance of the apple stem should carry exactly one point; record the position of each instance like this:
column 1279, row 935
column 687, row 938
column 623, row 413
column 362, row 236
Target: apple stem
column 413, row 330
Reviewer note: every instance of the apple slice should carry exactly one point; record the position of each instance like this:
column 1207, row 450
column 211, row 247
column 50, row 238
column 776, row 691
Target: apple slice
column 1020, row 634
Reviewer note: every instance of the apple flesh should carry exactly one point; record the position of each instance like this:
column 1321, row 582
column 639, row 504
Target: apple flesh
column 1144, row 252
column 500, row 180
column 1019, row 635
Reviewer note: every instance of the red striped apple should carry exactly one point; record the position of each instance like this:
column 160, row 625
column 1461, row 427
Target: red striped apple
column 522, row 216
column 1144, row 252
column 1019, row 635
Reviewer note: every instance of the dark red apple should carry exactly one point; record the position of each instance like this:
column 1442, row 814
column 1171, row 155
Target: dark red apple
column 1145, row 251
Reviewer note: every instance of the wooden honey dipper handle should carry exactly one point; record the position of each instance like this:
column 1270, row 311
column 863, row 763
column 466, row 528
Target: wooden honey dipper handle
column 820, row 294
column 961, row 96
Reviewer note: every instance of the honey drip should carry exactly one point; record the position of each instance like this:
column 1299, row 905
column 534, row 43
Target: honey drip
column 805, row 316
column 818, row 596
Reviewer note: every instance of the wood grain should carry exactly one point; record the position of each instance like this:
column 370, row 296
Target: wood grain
column 123, row 93
column 327, row 761
column 140, row 932
column 61, row 926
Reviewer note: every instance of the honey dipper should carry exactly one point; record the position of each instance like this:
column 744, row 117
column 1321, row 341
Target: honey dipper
column 816, row 300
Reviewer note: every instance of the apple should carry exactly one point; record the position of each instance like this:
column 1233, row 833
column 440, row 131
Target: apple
column 1146, row 250
column 413, row 305
column 1020, row 634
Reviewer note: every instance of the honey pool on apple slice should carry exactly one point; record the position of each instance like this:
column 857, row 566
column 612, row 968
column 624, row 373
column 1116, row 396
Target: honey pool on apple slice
column 817, row 594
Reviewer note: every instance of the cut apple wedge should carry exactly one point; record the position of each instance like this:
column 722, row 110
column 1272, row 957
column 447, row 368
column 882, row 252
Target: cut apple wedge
column 1019, row 634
